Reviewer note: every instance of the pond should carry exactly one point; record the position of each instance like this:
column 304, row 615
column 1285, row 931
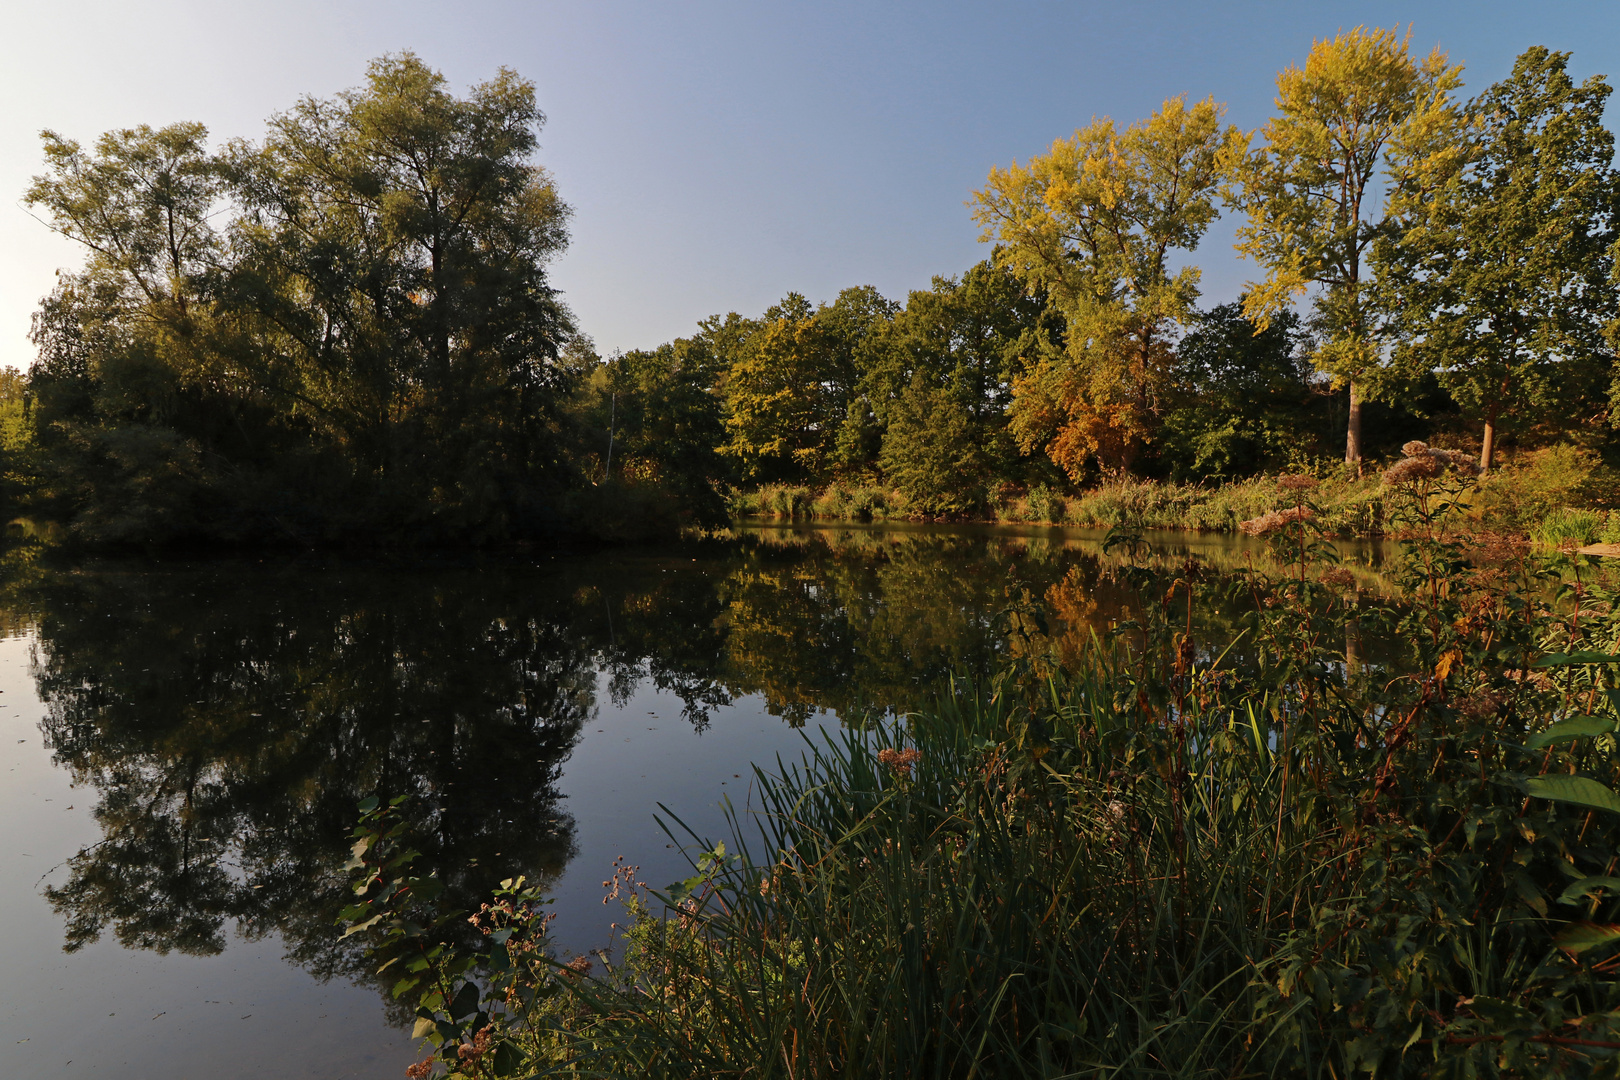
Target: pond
column 184, row 745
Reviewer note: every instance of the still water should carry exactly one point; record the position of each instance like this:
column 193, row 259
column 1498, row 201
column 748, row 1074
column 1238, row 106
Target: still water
column 182, row 746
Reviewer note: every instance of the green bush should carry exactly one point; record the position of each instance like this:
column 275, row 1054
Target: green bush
column 622, row 513
column 856, row 502
column 1044, row 504
column 773, row 500
column 1522, row 493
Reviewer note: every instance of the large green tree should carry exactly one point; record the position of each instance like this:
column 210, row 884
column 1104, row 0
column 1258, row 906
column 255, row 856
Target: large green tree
column 1243, row 399
column 345, row 329
column 790, row 380
column 655, row 420
column 942, row 386
column 1360, row 105
column 1095, row 223
column 1499, row 272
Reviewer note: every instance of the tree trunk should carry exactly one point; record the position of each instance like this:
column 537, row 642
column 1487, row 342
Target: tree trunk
column 1352, row 649
column 1487, row 446
column 1352, row 438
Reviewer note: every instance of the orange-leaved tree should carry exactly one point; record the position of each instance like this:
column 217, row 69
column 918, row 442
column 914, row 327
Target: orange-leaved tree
column 1094, row 223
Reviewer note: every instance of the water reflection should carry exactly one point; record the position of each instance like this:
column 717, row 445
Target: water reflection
column 229, row 720
column 228, row 717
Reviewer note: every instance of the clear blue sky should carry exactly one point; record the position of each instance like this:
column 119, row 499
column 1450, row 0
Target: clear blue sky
column 718, row 155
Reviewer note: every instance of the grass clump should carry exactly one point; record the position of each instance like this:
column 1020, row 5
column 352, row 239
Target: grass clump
column 1348, row 507
column 1520, row 495
column 841, row 502
column 1568, row 525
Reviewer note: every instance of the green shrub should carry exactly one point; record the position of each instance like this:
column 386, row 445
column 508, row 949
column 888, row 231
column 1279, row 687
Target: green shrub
column 774, row 500
column 856, row 502
column 1044, row 504
column 623, row 513
column 1522, row 493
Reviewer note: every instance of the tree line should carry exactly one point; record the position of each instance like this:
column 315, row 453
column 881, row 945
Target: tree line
column 1428, row 262
column 347, row 329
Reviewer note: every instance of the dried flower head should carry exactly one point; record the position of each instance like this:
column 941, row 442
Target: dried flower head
column 1411, row 470
column 1457, row 461
column 1296, row 482
column 1490, row 548
column 899, row 762
column 1481, row 704
column 420, row 1070
column 470, row 1053
column 1338, row 577
column 578, row 967
column 1424, row 462
column 1273, row 520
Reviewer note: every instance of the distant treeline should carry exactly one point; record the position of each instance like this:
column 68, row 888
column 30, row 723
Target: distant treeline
column 1458, row 259
column 346, row 332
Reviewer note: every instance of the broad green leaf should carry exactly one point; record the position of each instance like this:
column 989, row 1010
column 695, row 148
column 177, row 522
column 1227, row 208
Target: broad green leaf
column 1576, row 727
column 508, row 1059
column 1567, row 659
column 1579, row 889
column 1576, row 790
column 1578, row 937
column 466, row 1001
column 368, row 924
column 424, row 1026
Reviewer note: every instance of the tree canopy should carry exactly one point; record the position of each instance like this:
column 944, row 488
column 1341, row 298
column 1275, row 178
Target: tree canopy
column 347, row 327
column 1499, row 272
column 1093, row 223
column 1360, row 105
column 346, row 331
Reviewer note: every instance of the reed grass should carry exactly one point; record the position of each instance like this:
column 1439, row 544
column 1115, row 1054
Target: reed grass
column 1569, row 525
column 1173, row 858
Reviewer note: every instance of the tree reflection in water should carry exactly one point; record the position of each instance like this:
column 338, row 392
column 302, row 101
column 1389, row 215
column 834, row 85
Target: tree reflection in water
column 230, row 716
column 230, row 721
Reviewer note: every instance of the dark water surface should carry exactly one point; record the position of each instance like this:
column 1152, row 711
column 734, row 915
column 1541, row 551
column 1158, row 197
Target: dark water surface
column 182, row 746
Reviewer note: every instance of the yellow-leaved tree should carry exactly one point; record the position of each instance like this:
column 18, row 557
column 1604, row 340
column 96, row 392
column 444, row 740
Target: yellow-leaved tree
column 1363, row 110
column 1094, row 222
